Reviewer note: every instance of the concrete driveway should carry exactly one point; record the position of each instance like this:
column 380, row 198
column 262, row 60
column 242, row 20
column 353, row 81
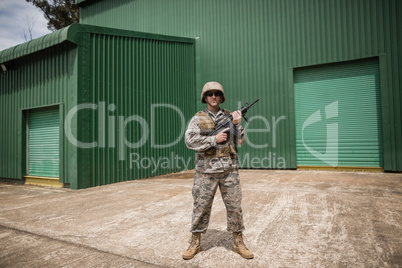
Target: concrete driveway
column 293, row 219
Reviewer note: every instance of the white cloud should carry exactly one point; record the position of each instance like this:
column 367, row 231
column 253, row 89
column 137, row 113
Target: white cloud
column 13, row 20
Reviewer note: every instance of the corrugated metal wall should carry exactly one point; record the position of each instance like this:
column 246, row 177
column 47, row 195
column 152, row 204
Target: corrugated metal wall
column 44, row 142
column 38, row 80
column 348, row 130
column 144, row 94
column 251, row 47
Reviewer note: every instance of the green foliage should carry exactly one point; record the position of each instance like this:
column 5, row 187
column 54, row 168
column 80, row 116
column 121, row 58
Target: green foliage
column 59, row 13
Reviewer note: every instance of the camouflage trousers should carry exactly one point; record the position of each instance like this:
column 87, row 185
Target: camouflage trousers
column 204, row 189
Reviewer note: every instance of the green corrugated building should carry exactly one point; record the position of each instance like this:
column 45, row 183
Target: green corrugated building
column 326, row 74
column 87, row 106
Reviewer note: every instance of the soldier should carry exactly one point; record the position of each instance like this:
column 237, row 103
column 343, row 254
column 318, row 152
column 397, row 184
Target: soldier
column 216, row 165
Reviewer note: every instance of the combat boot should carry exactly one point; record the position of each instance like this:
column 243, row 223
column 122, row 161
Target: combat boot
column 194, row 248
column 240, row 247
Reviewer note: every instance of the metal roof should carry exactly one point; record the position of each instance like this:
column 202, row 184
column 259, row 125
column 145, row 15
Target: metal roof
column 37, row 44
column 70, row 33
column 84, row 2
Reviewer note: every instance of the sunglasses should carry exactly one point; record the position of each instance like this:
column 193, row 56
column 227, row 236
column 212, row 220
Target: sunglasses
column 217, row 94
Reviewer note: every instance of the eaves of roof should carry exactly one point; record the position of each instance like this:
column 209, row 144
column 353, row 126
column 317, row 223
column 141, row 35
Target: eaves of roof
column 73, row 34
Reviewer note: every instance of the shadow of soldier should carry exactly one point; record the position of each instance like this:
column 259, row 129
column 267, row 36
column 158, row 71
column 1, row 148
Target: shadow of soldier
column 216, row 238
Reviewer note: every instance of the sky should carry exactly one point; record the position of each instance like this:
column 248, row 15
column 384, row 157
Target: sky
column 15, row 16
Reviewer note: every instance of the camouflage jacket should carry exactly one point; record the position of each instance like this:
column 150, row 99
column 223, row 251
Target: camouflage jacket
column 201, row 143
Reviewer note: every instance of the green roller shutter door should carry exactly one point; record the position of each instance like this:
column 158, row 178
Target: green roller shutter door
column 338, row 115
column 43, row 142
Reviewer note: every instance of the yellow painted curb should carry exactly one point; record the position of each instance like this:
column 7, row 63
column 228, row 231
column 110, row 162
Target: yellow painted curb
column 43, row 181
column 342, row 168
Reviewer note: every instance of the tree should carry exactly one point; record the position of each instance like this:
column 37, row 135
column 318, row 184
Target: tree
column 59, row 13
column 27, row 31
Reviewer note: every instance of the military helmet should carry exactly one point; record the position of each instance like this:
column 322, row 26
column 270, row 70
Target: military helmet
column 210, row 86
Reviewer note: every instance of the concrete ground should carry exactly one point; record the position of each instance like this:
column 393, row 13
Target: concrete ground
column 293, row 219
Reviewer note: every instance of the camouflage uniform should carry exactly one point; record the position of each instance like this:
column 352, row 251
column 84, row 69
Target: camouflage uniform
column 215, row 166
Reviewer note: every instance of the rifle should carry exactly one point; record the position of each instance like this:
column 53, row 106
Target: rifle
column 226, row 122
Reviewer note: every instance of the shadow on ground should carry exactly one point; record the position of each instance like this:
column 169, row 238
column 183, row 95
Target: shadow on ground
column 215, row 238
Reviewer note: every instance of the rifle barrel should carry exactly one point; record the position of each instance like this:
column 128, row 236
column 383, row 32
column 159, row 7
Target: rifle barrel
column 254, row 102
column 248, row 106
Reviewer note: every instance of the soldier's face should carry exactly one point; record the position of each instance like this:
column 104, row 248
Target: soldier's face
column 213, row 98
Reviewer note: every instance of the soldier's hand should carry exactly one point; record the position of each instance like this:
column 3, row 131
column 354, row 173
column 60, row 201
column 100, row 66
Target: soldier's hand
column 236, row 117
column 222, row 136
